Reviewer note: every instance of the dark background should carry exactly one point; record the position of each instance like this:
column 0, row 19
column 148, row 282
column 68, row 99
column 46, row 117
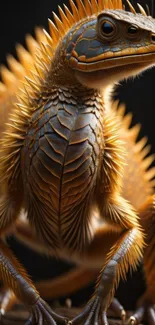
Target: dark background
column 20, row 17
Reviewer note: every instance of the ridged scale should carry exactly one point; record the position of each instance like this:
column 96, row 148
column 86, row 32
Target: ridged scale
column 60, row 157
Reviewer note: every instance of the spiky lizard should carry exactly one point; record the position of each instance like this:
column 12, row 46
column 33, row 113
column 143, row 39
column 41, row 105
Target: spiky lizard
column 62, row 154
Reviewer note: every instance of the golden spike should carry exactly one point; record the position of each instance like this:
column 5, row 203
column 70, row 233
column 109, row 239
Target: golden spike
column 132, row 9
column 141, row 144
column 109, row 4
column 24, row 56
column 119, row 4
column 152, row 182
column 23, row 108
column 3, row 89
column 58, row 23
column 106, row 4
column 88, row 7
column 64, row 18
column 147, row 162
column 22, row 98
column 31, row 43
column 121, row 110
column 45, row 52
column 53, row 31
column 69, row 15
column 7, row 76
column 40, row 36
column 48, row 37
column 36, row 77
column 134, row 131
column 142, row 11
column 150, row 174
column 95, row 8
column 145, row 151
column 42, row 64
column 74, row 10
column 81, row 9
column 127, row 120
column 15, row 66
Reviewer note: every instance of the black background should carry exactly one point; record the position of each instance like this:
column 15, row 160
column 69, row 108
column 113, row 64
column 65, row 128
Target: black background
column 20, row 17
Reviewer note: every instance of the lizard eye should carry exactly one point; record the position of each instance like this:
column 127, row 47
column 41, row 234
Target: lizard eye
column 107, row 28
column 132, row 31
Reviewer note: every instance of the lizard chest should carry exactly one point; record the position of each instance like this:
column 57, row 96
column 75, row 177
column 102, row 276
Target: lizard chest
column 60, row 158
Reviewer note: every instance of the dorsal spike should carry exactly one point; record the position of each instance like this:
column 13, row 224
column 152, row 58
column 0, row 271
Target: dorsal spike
column 147, row 162
column 7, row 77
column 132, row 9
column 48, row 38
column 69, row 15
column 81, row 9
column 53, row 31
column 148, row 10
column 46, row 52
column 15, row 66
column 40, row 37
column 95, row 8
column 120, row 5
column 88, row 7
column 3, row 89
column 31, row 43
column 127, row 120
column 58, row 23
column 74, row 10
column 64, row 18
column 24, row 56
column 110, row 4
column 142, row 11
column 134, row 131
column 150, row 174
column 145, row 151
column 32, row 83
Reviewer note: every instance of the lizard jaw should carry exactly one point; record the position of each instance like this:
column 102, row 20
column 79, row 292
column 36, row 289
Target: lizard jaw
column 108, row 63
column 100, row 79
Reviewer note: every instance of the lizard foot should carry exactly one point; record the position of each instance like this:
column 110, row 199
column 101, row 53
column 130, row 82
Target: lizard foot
column 41, row 313
column 93, row 313
column 143, row 313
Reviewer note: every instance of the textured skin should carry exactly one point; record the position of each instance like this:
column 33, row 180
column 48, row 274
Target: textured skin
column 60, row 165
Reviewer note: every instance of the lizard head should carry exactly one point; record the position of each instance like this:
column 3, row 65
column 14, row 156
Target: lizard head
column 111, row 46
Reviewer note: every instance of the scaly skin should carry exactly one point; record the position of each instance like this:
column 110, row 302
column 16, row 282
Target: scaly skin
column 62, row 155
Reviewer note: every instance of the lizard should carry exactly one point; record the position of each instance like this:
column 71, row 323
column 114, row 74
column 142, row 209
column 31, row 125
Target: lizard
column 69, row 81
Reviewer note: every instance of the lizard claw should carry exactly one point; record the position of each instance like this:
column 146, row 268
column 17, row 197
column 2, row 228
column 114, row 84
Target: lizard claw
column 41, row 313
column 132, row 320
column 144, row 312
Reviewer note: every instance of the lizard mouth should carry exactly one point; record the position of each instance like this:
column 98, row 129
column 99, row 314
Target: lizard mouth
column 146, row 59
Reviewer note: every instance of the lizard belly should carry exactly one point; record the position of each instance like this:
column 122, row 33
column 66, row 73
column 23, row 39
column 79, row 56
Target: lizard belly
column 60, row 163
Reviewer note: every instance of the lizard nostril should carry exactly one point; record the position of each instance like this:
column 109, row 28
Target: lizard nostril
column 153, row 37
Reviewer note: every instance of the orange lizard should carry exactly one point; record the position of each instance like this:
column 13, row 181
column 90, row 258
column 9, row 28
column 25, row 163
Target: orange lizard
column 66, row 153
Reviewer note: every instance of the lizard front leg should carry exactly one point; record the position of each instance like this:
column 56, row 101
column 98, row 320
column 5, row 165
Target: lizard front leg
column 145, row 307
column 77, row 277
column 125, row 252
column 14, row 276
